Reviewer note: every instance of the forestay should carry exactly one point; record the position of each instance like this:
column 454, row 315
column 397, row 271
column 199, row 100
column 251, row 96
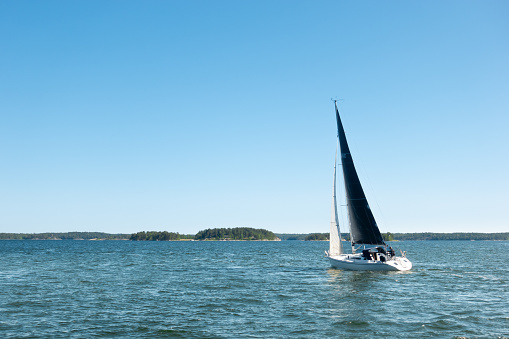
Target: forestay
column 363, row 227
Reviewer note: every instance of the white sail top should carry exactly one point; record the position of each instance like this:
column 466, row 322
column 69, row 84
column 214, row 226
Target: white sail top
column 335, row 247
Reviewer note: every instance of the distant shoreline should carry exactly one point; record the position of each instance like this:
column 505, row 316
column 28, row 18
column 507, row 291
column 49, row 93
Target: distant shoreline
column 98, row 236
column 193, row 240
column 422, row 236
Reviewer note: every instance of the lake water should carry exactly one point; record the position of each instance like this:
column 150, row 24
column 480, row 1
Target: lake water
column 79, row 289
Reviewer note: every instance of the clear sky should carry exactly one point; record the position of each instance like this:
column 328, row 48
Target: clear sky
column 123, row 116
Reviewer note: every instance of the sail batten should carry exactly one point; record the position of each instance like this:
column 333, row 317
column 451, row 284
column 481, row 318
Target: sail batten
column 363, row 227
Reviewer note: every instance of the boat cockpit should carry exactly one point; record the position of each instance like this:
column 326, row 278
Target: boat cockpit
column 378, row 253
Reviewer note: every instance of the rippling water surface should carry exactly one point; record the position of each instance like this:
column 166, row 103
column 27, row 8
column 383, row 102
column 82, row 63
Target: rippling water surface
column 248, row 289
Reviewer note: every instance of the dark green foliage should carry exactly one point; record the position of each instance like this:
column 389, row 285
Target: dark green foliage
column 288, row 236
column 317, row 236
column 246, row 234
column 63, row 236
column 388, row 236
column 159, row 236
column 451, row 236
column 238, row 233
column 410, row 236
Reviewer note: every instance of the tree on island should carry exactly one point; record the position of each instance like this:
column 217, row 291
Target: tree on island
column 238, row 233
column 388, row 236
column 158, row 236
column 317, row 237
column 63, row 236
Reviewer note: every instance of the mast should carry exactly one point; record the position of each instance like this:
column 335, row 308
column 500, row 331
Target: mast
column 335, row 247
column 363, row 227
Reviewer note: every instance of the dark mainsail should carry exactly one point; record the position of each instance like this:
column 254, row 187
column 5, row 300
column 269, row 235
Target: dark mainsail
column 363, row 228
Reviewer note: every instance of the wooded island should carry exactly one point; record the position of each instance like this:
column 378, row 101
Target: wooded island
column 242, row 233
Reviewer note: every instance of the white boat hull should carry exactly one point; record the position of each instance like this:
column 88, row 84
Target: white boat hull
column 355, row 262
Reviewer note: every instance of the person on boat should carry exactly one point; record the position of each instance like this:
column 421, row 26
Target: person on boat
column 366, row 254
column 391, row 252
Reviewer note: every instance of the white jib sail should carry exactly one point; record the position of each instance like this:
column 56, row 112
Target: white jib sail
column 335, row 234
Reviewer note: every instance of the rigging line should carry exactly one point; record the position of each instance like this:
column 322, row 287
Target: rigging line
column 373, row 226
column 374, row 198
column 364, row 173
column 343, row 203
column 368, row 183
column 346, row 218
column 335, row 228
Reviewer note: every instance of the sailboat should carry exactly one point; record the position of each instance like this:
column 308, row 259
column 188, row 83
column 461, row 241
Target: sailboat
column 369, row 250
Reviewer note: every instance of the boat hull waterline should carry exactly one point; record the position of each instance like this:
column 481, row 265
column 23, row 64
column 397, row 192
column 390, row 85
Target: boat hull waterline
column 355, row 262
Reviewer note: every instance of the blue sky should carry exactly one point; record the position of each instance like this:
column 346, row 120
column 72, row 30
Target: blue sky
column 122, row 116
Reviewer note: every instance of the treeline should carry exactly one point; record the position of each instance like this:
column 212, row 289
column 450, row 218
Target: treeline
column 63, row 236
column 238, row 233
column 317, row 237
column 291, row 236
column 243, row 233
column 388, row 236
column 309, row 236
column 403, row 236
column 450, row 236
column 159, row 236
